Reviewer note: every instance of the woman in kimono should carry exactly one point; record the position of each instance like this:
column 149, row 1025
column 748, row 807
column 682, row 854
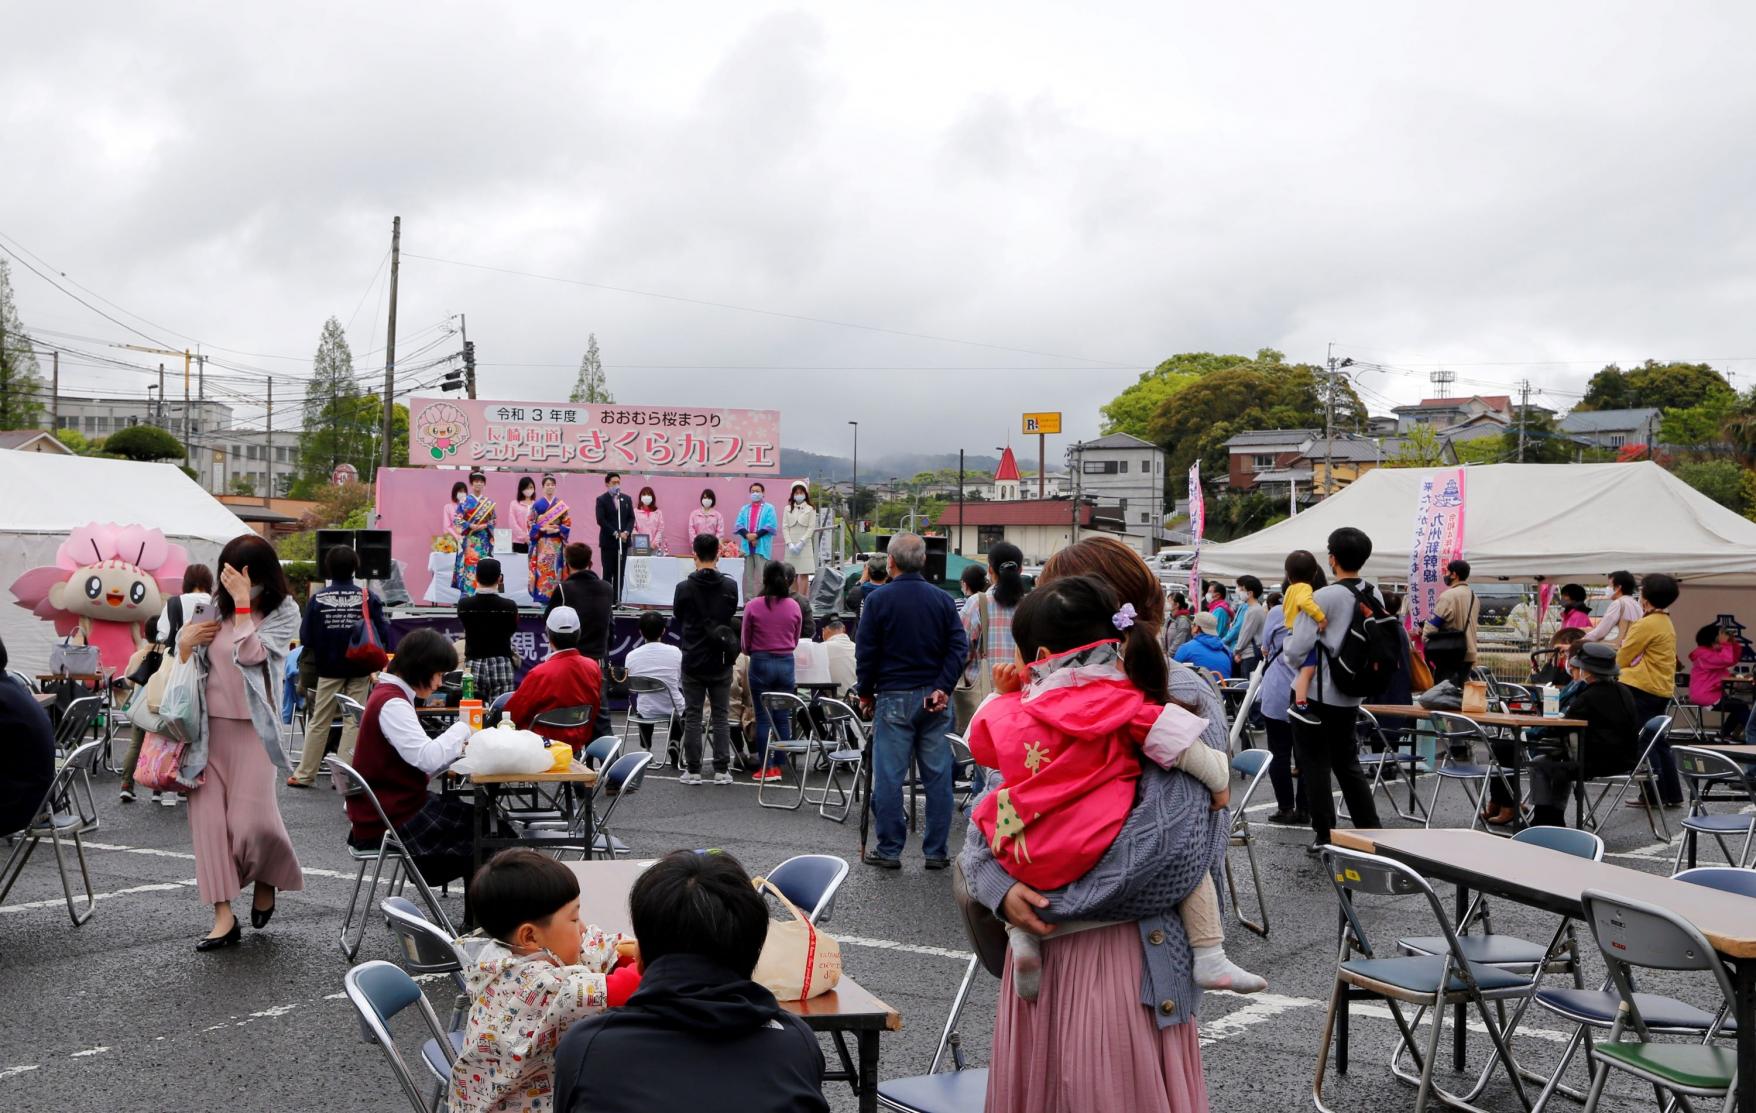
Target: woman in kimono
column 475, row 525
column 550, row 524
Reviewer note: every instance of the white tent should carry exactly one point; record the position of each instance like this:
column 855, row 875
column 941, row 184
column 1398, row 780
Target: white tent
column 1561, row 521
column 49, row 496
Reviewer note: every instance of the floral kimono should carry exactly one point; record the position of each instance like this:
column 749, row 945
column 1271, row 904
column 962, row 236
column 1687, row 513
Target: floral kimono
column 475, row 524
column 548, row 565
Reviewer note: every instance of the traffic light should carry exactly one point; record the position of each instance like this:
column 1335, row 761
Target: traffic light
column 469, row 366
column 453, row 379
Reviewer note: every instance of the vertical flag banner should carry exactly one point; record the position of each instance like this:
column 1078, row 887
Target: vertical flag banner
column 1438, row 541
column 1545, row 595
column 1197, row 525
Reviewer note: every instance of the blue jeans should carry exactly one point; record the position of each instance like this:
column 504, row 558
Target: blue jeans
column 771, row 672
column 903, row 731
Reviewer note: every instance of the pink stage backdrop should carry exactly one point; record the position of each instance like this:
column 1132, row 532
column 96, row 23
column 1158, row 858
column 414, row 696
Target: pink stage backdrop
column 413, row 504
column 576, row 437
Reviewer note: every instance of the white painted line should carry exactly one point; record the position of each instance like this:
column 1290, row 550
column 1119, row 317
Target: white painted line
column 61, row 902
column 1262, row 1007
column 88, row 1051
column 905, row 948
column 10, row 1071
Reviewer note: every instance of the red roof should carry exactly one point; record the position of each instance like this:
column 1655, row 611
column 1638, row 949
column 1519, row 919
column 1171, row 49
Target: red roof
column 1029, row 512
column 1008, row 469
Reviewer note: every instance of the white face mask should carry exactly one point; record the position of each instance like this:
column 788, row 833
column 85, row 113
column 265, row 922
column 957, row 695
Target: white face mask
column 707, row 504
column 799, row 498
column 755, row 496
column 646, row 500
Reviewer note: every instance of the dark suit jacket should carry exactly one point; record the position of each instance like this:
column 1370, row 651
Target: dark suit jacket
column 609, row 524
column 593, row 597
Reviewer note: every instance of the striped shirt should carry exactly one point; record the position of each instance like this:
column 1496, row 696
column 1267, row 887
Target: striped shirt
column 988, row 625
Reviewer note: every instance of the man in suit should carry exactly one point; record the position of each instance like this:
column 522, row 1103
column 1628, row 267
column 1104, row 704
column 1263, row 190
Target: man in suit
column 615, row 524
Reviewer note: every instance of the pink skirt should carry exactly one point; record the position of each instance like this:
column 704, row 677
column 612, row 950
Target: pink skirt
column 1087, row 1045
column 234, row 819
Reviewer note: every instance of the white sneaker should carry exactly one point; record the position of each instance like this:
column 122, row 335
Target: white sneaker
column 723, row 779
column 689, row 779
column 169, row 799
column 127, row 796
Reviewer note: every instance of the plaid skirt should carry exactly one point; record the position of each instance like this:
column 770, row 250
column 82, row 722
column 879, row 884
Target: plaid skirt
column 444, row 825
column 495, row 676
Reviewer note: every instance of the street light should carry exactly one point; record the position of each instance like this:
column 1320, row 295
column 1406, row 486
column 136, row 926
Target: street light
column 854, row 497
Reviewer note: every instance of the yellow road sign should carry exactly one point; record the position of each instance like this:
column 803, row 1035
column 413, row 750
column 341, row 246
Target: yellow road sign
column 1046, row 423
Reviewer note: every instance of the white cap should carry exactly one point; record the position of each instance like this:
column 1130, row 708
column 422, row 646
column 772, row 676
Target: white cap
column 563, row 620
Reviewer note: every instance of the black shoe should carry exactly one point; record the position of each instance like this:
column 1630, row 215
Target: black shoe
column 218, row 942
column 1287, row 819
column 938, row 863
column 259, row 917
column 882, row 862
column 1315, row 848
column 1303, row 819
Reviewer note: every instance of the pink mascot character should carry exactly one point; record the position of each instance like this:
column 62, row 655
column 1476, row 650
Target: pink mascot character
column 107, row 582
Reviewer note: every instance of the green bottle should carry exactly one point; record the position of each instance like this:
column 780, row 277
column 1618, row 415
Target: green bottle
column 469, row 685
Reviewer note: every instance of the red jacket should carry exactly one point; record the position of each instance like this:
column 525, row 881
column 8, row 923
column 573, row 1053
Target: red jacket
column 566, row 679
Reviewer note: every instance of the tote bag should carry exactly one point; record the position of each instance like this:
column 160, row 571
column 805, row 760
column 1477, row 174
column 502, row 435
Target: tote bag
column 160, row 759
column 798, row 962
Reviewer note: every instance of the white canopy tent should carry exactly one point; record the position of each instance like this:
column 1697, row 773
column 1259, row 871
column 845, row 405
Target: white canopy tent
column 49, row 496
column 1521, row 521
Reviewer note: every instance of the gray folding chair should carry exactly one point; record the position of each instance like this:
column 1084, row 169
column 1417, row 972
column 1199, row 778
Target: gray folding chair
column 1703, row 770
column 390, row 849
column 378, row 992
column 67, row 814
column 1657, row 727
column 621, row 780
column 1395, row 754
column 845, row 751
column 652, row 686
column 77, row 721
column 428, row 950
column 799, row 748
column 1252, row 765
column 958, row 1090
column 1460, row 761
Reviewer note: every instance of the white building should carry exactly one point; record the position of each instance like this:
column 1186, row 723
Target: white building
column 1124, row 471
column 1009, row 484
column 219, row 450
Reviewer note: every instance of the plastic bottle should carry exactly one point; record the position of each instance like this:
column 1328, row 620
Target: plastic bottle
column 469, row 685
column 1551, row 701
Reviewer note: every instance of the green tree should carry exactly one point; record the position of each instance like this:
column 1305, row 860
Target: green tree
column 1132, row 410
column 1264, row 393
column 591, row 386
column 1720, row 480
column 1420, row 448
column 1234, row 515
column 143, row 442
column 1660, row 385
column 243, row 485
column 1703, row 427
column 332, row 431
column 21, row 383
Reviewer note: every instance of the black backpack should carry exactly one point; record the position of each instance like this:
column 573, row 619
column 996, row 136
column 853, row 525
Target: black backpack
column 1368, row 655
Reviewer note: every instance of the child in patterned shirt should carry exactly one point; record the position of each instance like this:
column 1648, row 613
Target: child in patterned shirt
column 541, row 971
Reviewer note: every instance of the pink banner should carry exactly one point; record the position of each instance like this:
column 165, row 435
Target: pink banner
column 1197, row 526
column 1438, row 540
column 557, row 436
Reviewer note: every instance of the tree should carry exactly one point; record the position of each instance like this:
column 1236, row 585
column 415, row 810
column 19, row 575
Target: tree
column 332, row 431
column 243, row 485
column 1421, row 448
column 1720, row 480
column 1659, row 385
column 1131, row 411
column 1236, row 514
column 1264, row 393
column 143, row 442
column 1703, row 427
column 591, row 386
column 21, row 384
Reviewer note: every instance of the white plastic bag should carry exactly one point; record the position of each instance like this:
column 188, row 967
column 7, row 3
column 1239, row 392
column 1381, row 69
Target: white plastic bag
column 504, row 749
column 184, row 705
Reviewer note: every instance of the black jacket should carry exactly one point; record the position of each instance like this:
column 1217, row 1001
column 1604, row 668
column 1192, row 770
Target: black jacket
column 330, row 618
column 1611, row 744
column 695, row 1036
column 593, row 597
column 29, row 753
column 608, row 520
column 489, row 621
column 705, row 599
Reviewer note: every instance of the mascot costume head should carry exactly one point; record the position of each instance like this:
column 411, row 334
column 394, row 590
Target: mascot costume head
column 106, row 583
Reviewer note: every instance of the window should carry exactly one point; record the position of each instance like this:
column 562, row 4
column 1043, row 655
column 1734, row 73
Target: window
column 989, row 536
column 1145, row 518
column 237, row 451
column 91, row 424
column 1122, row 506
column 1124, row 467
column 1100, row 467
column 1617, row 440
column 252, row 452
column 103, row 424
column 1262, row 461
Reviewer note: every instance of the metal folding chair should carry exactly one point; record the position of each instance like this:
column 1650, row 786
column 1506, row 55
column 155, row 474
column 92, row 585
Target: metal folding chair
column 390, row 849
column 378, row 992
column 652, row 686
column 1252, row 765
column 799, row 747
column 1657, row 727
column 964, row 770
column 76, row 722
column 1458, row 736
column 1701, row 771
column 958, row 1090
column 1633, row 934
column 845, row 750
column 67, row 814
column 1427, row 981
column 621, row 780
column 810, row 881
column 1396, row 751
column 428, row 950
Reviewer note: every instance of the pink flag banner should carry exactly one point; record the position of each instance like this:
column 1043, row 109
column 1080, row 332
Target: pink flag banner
column 1545, row 595
column 578, row 436
column 1197, row 526
column 1438, row 541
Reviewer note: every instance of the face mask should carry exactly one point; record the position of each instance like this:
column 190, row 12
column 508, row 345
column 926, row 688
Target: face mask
column 646, row 500
column 614, row 487
column 755, row 496
column 799, row 498
column 707, row 503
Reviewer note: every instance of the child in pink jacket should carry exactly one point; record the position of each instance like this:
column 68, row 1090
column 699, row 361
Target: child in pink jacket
column 1713, row 657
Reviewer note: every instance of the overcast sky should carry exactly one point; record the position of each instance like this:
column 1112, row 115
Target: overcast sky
column 1072, row 191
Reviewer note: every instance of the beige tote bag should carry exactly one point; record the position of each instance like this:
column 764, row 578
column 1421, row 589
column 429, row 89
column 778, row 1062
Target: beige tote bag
column 798, row 962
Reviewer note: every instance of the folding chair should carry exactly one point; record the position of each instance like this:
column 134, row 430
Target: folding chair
column 30, row 685
column 1428, row 981
column 959, row 1090
column 621, row 780
column 76, row 722
column 1392, row 755
column 845, row 749
column 1633, row 934
column 379, row 991
column 558, row 718
column 964, row 769
column 390, row 848
column 1702, row 770
column 801, row 746
column 427, row 950
column 1458, row 736
column 652, row 686
column 1657, row 727
column 491, row 717
column 1689, row 720
column 352, row 708
column 67, row 814
column 810, row 882
column 1251, row 764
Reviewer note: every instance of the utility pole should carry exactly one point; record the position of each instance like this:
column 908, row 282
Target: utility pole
column 55, row 393
column 390, row 339
column 1078, row 470
column 1523, row 408
column 469, row 357
column 185, row 409
column 960, row 502
column 161, row 413
column 270, row 492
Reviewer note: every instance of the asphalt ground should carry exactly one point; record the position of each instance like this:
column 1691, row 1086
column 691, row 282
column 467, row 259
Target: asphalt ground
column 123, row 1014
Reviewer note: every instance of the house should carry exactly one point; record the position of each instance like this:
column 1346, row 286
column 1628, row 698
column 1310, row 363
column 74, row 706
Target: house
column 1612, row 428
column 1129, row 473
column 221, row 450
column 1262, row 451
column 1039, row 527
column 1443, row 413
column 33, row 440
column 1005, row 486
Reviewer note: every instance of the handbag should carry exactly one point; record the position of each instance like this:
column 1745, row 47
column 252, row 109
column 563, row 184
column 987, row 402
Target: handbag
column 1420, row 674
column 967, row 697
column 364, row 648
column 146, row 663
column 986, row 931
column 160, row 760
column 798, row 962
column 67, row 659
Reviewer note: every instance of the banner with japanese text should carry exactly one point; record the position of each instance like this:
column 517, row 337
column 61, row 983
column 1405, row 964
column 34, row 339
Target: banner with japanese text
column 580, row 436
column 1438, row 540
column 1197, row 526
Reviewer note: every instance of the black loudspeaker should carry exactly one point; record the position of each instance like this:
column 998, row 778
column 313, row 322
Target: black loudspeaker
column 937, row 548
column 372, row 546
